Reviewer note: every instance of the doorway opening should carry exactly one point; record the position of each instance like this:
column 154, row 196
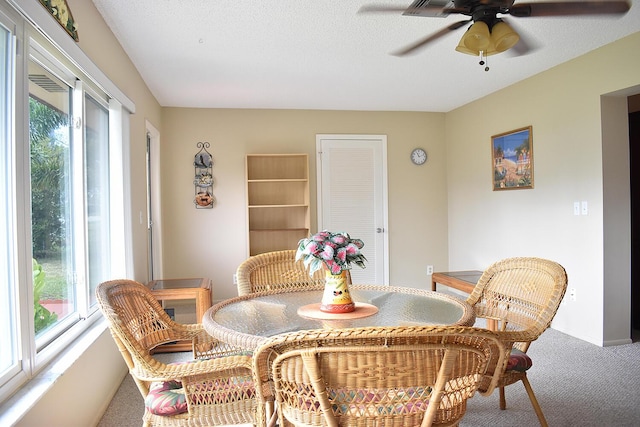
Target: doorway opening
column 634, row 171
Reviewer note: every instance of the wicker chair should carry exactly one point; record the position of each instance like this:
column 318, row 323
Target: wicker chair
column 519, row 298
column 403, row 376
column 277, row 270
column 217, row 391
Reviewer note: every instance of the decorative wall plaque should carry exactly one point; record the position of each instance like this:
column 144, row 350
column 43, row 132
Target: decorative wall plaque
column 203, row 179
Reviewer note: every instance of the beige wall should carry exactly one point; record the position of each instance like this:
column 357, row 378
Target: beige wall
column 80, row 396
column 212, row 242
column 97, row 41
column 634, row 103
column 569, row 146
column 479, row 226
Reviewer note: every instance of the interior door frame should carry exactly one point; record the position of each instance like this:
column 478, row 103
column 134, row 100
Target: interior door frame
column 384, row 227
column 154, row 217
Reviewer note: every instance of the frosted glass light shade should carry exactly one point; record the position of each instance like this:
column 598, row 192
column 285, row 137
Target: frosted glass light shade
column 503, row 36
column 463, row 49
column 490, row 49
column 477, row 36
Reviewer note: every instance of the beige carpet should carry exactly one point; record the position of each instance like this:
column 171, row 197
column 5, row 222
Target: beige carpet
column 576, row 383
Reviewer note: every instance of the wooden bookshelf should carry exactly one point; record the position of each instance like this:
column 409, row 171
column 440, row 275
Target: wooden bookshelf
column 277, row 201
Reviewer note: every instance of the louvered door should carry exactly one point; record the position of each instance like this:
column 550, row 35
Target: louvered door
column 352, row 197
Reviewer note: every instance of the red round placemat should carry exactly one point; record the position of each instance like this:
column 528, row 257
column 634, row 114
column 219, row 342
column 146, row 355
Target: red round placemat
column 313, row 311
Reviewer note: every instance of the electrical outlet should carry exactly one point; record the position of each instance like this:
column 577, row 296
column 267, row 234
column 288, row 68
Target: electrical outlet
column 429, row 270
column 572, row 294
column 235, row 279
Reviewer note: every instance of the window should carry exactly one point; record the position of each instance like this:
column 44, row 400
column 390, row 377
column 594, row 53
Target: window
column 8, row 324
column 52, row 199
column 61, row 188
column 97, row 194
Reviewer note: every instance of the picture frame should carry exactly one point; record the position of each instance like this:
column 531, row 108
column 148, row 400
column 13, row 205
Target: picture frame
column 59, row 9
column 512, row 159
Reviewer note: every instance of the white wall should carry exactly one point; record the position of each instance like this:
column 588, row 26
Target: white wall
column 563, row 105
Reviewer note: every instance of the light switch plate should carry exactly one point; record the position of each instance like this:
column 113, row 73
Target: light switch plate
column 585, row 208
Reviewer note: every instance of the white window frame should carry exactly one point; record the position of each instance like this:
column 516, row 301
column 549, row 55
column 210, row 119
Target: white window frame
column 32, row 26
column 8, row 22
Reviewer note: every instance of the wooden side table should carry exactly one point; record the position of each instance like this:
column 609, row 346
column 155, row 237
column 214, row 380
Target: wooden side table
column 181, row 289
column 463, row 281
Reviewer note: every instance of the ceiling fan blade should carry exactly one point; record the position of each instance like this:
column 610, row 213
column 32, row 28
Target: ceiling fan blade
column 571, row 8
column 374, row 8
column 430, row 38
column 525, row 45
column 426, row 10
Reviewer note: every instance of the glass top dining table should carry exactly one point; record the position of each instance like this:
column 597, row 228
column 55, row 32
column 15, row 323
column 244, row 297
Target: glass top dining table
column 246, row 321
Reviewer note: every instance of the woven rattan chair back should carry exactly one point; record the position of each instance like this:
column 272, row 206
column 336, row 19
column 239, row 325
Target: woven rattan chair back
column 521, row 295
column 277, row 270
column 138, row 325
column 519, row 298
column 405, row 376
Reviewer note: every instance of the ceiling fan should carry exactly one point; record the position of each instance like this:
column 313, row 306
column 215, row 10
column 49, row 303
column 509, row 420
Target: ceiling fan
column 490, row 34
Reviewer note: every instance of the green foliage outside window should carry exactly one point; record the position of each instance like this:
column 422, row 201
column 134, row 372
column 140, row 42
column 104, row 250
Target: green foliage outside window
column 49, row 152
column 48, row 192
column 42, row 316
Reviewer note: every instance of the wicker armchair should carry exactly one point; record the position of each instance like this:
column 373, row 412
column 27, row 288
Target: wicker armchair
column 277, row 270
column 216, row 391
column 519, row 298
column 404, row 376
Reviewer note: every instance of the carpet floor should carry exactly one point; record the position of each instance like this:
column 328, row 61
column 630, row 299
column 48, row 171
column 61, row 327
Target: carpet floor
column 576, row 383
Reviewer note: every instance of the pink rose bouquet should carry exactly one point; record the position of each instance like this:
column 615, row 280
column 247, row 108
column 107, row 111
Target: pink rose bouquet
column 335, row 250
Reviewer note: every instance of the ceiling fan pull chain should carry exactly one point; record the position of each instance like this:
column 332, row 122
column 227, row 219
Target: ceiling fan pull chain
column 484, row 60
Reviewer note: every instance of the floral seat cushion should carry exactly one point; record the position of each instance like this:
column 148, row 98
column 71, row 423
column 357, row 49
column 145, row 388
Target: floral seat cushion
column 519, row 361
column 365, row 402
column 168, row 398
column 368, row 402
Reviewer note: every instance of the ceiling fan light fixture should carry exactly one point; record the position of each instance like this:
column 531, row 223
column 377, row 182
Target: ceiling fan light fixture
column 491, row 49
column 464, row 49
column 503, row 37
column 477, row 37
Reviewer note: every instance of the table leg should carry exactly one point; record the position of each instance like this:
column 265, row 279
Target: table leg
column 203, row 302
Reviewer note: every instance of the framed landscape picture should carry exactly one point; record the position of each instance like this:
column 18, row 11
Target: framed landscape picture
column 512, row 159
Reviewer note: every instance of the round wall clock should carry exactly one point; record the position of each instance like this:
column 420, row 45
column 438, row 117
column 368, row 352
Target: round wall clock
column 418, row 156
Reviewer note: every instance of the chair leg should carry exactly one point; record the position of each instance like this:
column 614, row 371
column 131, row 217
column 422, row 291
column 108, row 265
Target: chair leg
column 503, row 400
column 534, row 402
column 271, row 415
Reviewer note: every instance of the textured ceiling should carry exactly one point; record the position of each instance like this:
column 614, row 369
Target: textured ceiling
column 323, row 54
